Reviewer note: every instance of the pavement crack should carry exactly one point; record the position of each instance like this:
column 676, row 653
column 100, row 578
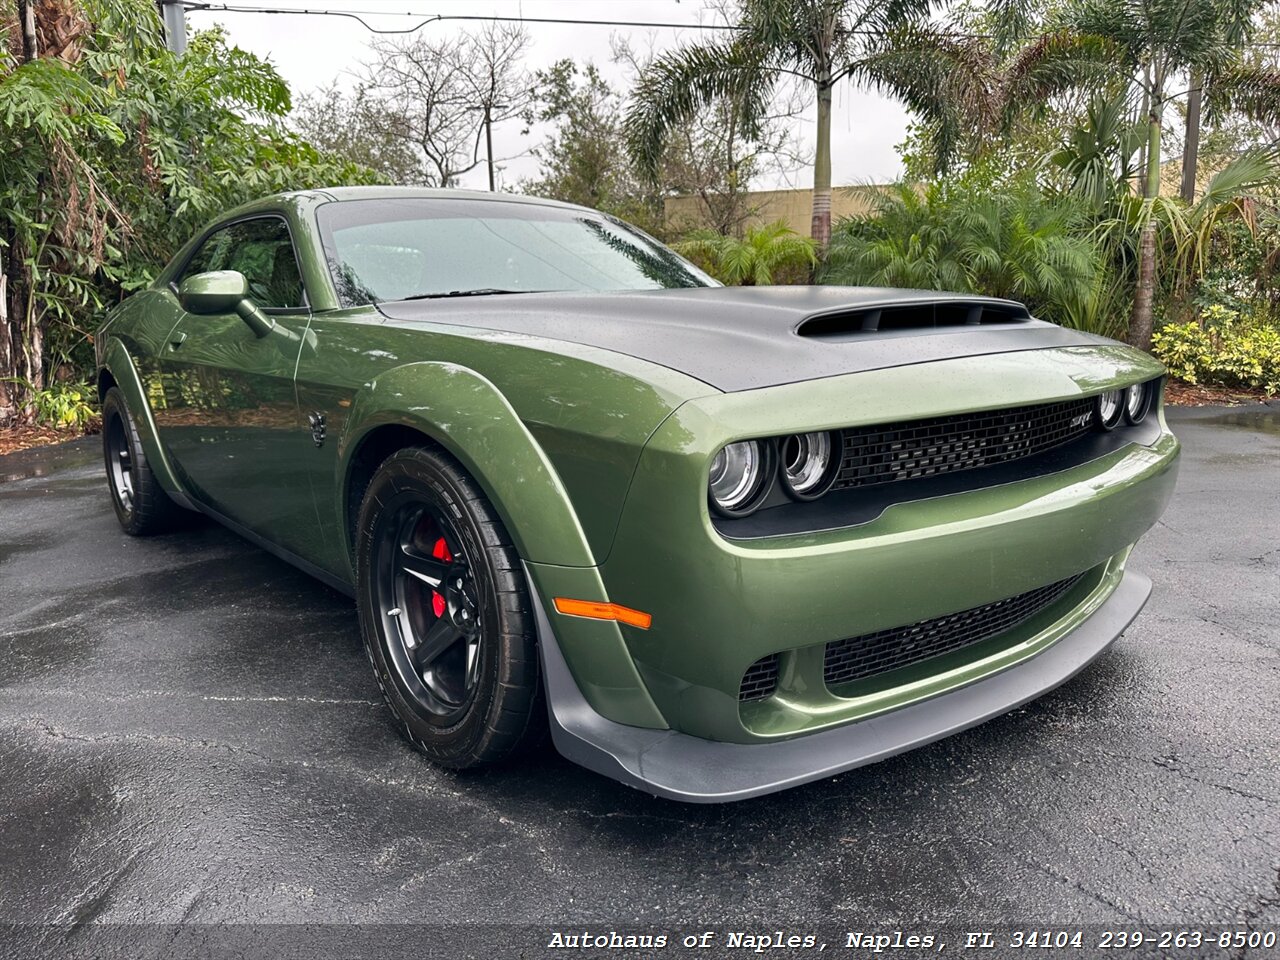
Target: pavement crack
column 1253, row 913
column 274, row 699
column 1176, row 766
column 624, row 815
column 415, row 785
column 93, row 902
column 1087, row 891
column 1127, row 851
column 106, row 697
column 49, row 730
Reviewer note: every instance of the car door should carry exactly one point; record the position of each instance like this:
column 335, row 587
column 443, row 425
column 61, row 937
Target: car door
column 230, row 417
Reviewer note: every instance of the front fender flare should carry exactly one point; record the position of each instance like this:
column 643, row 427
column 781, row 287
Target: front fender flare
column 471, row 419
column 468, row 416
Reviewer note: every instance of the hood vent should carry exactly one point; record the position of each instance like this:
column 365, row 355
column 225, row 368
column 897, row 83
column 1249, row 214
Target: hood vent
column 955, row 314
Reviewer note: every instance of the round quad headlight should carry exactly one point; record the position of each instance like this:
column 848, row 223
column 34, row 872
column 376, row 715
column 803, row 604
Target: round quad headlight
column 807, row 465
column 1110, row 408
column 1137, row 402
column 740, row 476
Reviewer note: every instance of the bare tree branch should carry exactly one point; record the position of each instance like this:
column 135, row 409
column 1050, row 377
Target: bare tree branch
column 439, row 93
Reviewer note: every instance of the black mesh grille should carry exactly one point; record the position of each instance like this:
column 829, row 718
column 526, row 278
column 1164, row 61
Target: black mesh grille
column 923, row 448
column 860, row 657
column 760, row 680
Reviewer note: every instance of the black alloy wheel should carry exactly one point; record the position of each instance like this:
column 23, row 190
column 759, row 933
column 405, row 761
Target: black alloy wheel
column 140, row 502
column 430, row 608
column 119, row 463
column 445, row 612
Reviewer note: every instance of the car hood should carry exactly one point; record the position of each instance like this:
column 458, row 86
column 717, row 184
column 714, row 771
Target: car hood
column 743, row 338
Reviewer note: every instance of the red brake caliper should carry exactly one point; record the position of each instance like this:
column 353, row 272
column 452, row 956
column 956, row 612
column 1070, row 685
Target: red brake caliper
column 441, row 552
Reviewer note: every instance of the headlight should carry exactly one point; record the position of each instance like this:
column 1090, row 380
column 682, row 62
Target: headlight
column 740, row 475
column 807, row 465
column 1137, row 402
column 1110, row 408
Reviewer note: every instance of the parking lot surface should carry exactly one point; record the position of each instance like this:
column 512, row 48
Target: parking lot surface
column 190, row 733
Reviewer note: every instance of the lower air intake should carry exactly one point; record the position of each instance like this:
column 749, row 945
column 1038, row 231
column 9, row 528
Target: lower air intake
column 760, row 680
column 874, row 653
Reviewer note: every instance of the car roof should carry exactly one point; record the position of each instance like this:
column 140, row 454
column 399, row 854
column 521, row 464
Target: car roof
column 321, row 195
column 427, row 193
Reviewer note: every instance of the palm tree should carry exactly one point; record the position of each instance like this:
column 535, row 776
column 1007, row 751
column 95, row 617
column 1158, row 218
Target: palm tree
column 820, row 42
column 1226, row 83
column 1100, row 156
column 1156, row 40
column 972, row 92
column 756, row 259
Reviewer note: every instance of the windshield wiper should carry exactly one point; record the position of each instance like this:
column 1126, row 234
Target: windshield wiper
column 478, row 292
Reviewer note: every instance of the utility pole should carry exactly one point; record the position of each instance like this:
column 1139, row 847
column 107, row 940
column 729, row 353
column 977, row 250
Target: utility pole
column 487, row 120
column 174, row 15
column 488, row 143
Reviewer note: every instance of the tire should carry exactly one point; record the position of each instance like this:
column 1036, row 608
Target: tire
column 141, row 505
column 445, row 613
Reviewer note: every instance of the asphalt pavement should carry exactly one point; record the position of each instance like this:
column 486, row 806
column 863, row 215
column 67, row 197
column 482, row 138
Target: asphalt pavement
column 190, row 734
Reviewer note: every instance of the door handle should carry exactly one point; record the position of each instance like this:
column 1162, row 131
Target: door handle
column 177, row 340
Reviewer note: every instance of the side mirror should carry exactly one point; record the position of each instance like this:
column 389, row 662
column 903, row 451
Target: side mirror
column 216, row 292
column 223, row 291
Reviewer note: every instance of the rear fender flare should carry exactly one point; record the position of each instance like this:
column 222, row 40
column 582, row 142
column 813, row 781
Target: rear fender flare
column 117, row 362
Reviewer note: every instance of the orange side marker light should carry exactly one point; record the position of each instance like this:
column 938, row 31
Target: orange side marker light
column 594, row 610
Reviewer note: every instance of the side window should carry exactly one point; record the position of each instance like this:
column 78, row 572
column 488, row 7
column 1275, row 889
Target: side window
column 210, row 255
column 262, row 251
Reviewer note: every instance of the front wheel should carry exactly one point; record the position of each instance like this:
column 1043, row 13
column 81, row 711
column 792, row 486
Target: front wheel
column 445, row 613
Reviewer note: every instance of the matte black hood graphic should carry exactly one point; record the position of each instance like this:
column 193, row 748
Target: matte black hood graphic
column 741, row 338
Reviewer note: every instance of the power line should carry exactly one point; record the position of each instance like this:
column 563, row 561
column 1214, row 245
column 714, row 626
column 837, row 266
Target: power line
column 427, row 19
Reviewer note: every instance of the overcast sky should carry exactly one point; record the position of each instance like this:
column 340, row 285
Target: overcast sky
column 311, row 51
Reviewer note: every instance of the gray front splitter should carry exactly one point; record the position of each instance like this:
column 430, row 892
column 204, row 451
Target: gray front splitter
column 680, row 767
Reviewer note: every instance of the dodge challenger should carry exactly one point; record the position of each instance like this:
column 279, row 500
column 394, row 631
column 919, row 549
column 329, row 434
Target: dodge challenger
column 718, row 541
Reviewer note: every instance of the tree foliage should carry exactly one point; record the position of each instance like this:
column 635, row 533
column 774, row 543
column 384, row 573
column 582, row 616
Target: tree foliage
column 716, row 157
column 712, row 158
column 361, row 128
column 580, row 160
column 762, row 256
column 972, row 96
column 820, row 42
column 1012, row 241
column 112, row 152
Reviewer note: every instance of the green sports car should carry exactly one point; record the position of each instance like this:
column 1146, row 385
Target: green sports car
column 721, row 541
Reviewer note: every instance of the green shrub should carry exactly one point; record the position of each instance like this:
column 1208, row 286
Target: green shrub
column 763, row 256
column 1226, row 350
column 1185, row 348
column 62, row 405
column 1010, row 241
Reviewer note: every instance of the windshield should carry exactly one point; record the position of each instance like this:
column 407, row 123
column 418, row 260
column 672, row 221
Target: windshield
column 397, row 249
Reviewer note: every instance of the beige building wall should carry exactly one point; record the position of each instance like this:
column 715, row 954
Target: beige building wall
column 794, row 207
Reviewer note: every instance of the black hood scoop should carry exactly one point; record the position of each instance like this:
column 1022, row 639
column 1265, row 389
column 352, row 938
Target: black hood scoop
column 744, row 338
column 912, row 317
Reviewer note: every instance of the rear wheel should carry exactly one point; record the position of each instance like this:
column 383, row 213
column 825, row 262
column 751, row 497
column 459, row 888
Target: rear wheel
column 141, row 505
column 445, row 613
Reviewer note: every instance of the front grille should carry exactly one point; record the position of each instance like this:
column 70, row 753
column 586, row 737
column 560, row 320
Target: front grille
column 924, row 448
column 760, row 680
column 874, row 653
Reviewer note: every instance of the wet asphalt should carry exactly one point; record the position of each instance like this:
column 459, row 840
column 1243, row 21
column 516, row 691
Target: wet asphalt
column 190, row 733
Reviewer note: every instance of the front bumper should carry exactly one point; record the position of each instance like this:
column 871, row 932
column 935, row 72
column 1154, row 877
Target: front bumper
column 664, row 707
column 677, row 766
